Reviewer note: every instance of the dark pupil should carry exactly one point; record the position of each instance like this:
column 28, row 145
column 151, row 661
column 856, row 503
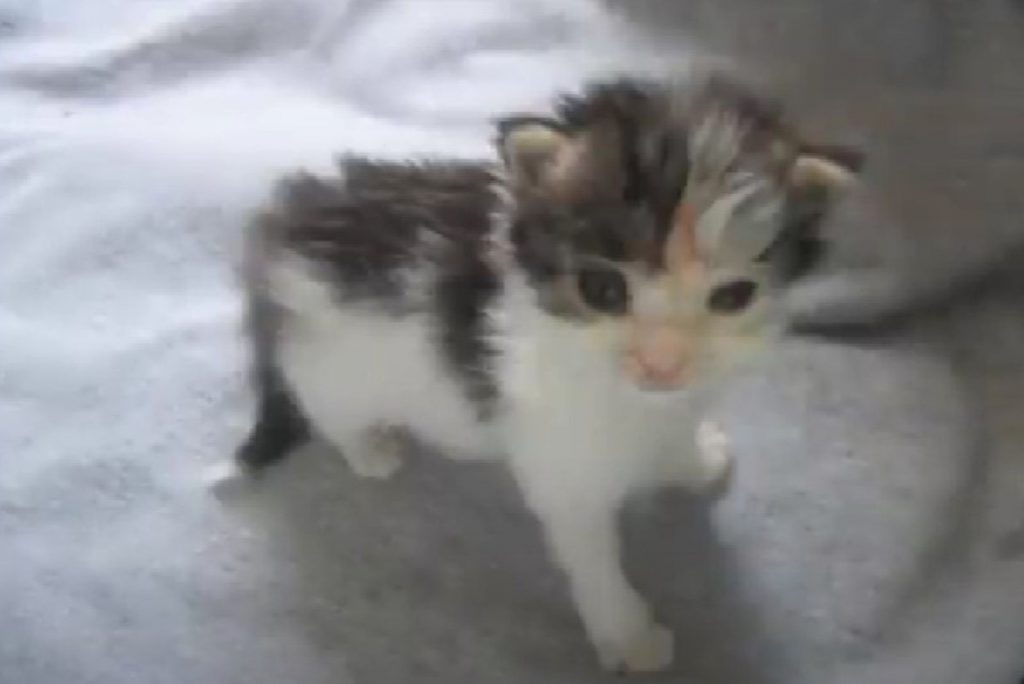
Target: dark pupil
column 603, row 289
column 732, row 297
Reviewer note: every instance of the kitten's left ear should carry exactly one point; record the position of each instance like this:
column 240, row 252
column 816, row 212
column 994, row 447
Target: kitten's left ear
column 529, row 147
column 825, row 168
column 545, row 158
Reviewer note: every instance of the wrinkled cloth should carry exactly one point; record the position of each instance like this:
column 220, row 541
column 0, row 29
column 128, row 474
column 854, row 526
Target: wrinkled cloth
column 874, row 533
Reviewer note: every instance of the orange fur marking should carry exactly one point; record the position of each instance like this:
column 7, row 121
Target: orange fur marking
column 681, row 246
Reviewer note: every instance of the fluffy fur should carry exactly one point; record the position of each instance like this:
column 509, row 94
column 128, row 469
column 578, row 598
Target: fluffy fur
column 567, row 307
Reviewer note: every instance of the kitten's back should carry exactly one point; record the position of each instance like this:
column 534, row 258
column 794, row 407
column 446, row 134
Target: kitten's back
column 369, row 231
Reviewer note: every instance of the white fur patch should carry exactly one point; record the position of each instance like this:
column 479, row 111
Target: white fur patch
column 353, row 368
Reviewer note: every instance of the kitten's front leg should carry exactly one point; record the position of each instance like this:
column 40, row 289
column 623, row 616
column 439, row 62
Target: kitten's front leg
column 581, row 531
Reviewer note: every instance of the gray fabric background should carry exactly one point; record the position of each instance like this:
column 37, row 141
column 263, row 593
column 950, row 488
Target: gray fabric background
column 875, row 532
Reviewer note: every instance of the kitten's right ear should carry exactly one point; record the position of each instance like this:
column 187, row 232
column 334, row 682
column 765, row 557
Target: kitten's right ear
column 827, row 168
column 531, row 148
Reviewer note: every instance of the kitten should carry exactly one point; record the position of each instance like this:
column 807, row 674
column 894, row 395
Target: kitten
column 567, row 306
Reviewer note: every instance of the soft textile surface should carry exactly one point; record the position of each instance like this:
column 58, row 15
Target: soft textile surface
column 874, row 533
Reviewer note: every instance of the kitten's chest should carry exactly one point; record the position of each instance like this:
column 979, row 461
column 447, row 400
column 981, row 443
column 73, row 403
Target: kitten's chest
column 577, row 402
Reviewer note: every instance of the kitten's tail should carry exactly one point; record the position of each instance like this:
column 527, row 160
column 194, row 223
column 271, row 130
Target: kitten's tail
column 279, row 424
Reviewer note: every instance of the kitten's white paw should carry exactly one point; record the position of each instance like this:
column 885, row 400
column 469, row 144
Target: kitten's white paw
column 225, row 478
column 715, row 454
column 651, row 649
column 380, row 454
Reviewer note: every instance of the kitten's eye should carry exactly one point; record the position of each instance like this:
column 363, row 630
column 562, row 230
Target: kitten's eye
column 732, row 297
column 603, row 289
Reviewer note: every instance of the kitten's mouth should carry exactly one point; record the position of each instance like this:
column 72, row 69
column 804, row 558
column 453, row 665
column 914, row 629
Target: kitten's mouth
column 655, row 391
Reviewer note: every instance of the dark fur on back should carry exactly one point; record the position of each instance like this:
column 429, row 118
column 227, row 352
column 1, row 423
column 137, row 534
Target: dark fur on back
column 367, row 227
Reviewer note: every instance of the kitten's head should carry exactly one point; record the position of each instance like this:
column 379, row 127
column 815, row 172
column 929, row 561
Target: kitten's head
column 667, row 221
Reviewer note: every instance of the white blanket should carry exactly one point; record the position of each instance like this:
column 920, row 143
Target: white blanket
column 135, row 139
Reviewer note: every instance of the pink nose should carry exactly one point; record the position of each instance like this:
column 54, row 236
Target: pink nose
column 657, row 357
column 655, row 373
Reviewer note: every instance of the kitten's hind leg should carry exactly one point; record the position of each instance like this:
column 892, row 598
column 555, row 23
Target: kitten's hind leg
column 372, row 449
column 377, row 453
